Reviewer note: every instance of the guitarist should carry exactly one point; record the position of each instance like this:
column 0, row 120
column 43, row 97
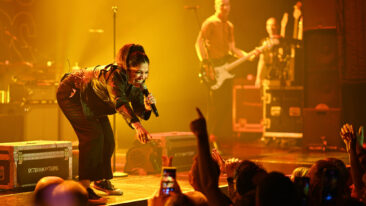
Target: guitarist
column 277, row 63
column 272, row 62
column 216, row 42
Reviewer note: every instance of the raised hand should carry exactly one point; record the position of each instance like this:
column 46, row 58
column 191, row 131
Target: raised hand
column 231, row 165
column 198, row 126
column 348, row 135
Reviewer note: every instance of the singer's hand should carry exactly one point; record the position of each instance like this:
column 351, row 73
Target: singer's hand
column 141, row 133
column 149, row 100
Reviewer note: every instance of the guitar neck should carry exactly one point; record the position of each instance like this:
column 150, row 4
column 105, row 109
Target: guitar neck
column 255, row 51
column 237, row 62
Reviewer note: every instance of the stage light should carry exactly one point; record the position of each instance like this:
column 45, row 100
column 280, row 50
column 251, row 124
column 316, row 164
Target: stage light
column 49, row 63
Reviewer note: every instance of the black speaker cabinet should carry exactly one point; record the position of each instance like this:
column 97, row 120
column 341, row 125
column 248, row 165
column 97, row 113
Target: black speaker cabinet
column 321, row 72
column 319, row 14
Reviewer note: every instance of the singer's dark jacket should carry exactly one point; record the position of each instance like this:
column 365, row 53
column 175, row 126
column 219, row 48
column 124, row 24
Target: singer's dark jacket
column 86, row 97
column 103, row 89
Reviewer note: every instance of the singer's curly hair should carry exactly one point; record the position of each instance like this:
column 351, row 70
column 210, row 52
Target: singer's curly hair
column 131, row 55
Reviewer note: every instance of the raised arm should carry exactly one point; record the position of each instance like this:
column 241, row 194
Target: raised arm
column 209, row 171
column 349, row 137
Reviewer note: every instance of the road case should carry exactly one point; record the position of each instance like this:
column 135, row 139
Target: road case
column 22, row 164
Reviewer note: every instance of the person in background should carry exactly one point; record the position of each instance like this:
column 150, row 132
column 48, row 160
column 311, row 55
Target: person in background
column 215, row 45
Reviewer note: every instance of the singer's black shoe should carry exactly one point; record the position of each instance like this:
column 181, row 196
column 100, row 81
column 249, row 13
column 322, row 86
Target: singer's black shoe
column 94, row 199
column 107, row 187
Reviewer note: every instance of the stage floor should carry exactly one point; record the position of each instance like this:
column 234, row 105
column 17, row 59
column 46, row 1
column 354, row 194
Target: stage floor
column 137, row 189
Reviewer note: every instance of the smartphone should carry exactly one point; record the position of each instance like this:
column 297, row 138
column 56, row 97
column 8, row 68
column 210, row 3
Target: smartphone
column 167, row 179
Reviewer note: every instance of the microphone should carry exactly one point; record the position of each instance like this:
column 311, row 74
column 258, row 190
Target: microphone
column 146, row 93
column 191, row 7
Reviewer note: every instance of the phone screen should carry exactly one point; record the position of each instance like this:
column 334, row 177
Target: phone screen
column 167, row 180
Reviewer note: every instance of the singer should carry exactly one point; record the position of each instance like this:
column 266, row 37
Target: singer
column 88, row 96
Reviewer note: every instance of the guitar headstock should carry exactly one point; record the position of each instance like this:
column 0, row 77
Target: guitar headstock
column 297, row 10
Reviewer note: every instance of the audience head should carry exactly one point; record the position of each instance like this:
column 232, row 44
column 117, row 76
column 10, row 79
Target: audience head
column 70, row 193
column 342, row 169
column 248, row 175
column 299, row 172
column 248, row 199
column 328, row 183
column 276, row 189
column 361, row 153
column 42, row 194
column 301, row 181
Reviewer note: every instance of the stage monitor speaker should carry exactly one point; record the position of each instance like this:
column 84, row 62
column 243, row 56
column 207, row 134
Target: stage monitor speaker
column 146, row 157
column 182, row 146
column 322, row 127
column 319, row 14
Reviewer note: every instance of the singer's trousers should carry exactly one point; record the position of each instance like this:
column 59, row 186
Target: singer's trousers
column 96, row 141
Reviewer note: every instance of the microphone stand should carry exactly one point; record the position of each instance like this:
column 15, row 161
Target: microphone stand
column 115, row 173
column 210, row 92
column 210, row 95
